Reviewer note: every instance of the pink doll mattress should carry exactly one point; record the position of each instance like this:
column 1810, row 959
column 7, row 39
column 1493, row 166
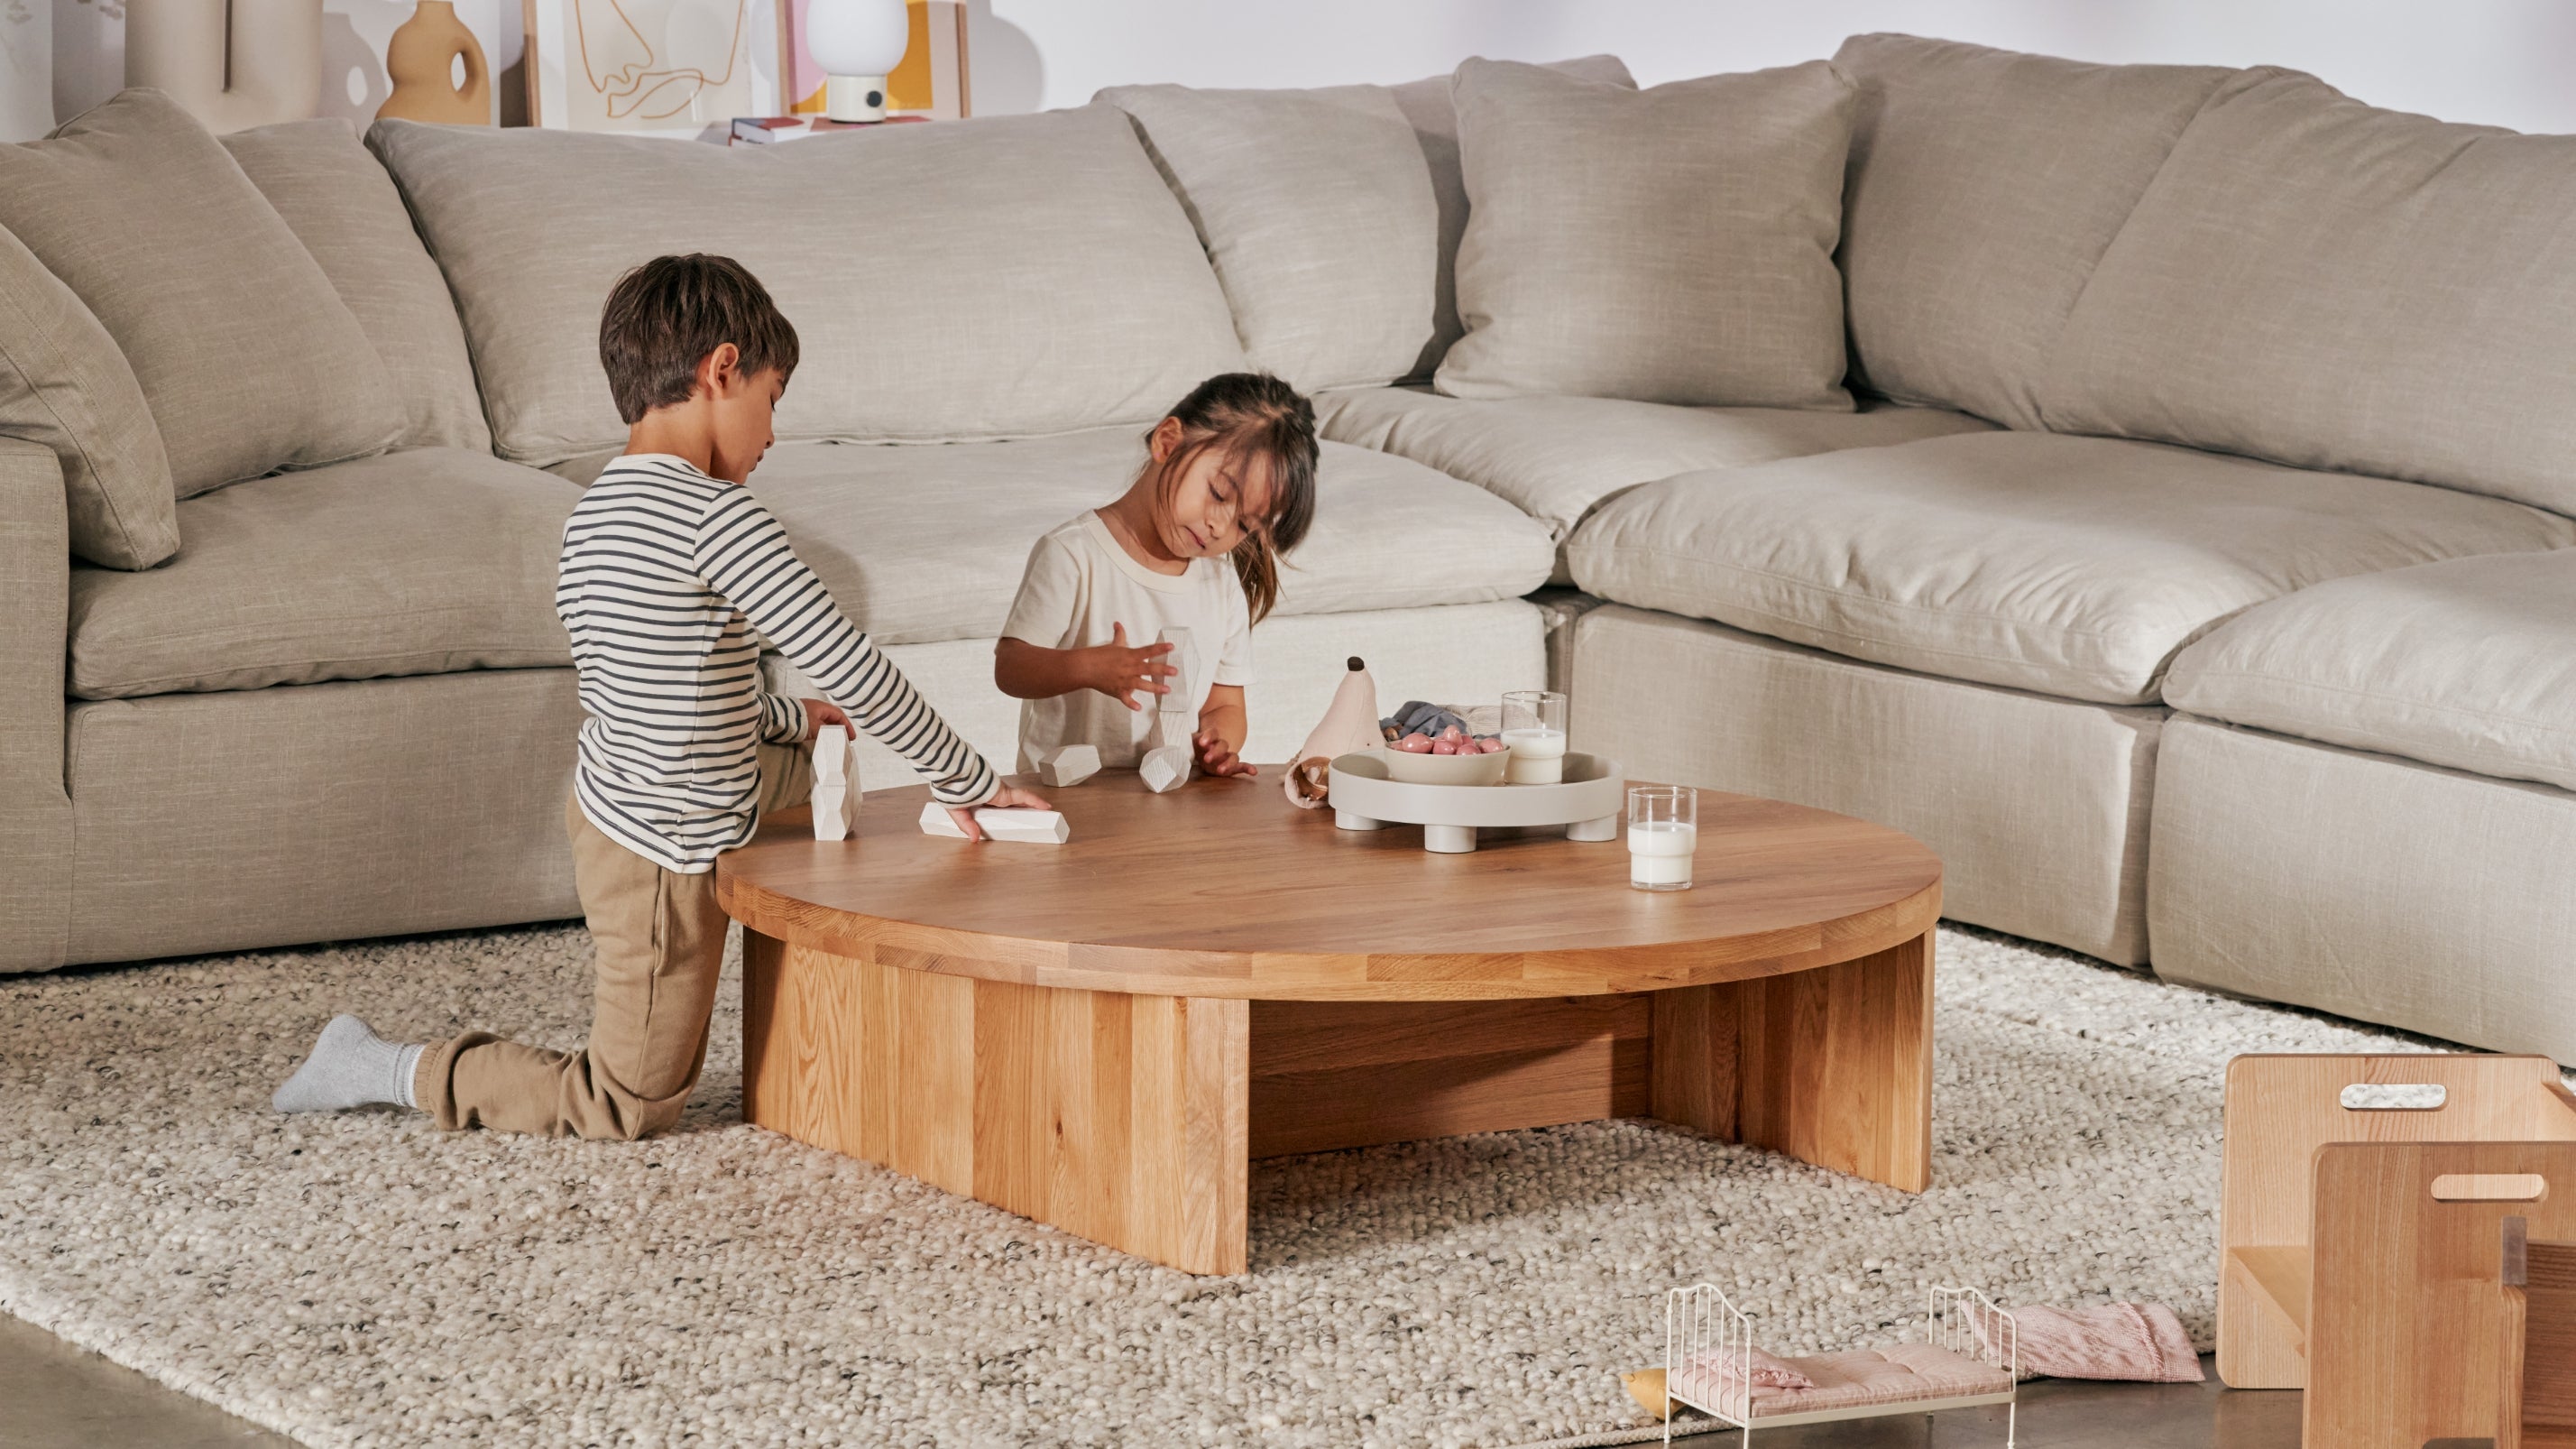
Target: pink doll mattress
column 1904, row 1374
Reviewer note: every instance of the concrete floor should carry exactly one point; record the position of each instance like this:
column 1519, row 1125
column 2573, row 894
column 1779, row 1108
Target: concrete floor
column 55, row 1396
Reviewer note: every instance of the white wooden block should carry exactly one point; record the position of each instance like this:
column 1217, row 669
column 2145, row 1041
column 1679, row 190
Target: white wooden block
column 1165, row 769
column 1023, row 827
column 836, row 784
column 1171, row 728
column 1068, row 765
column 1178, row 637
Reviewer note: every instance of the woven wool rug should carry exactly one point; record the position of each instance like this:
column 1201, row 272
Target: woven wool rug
column 363, row 1280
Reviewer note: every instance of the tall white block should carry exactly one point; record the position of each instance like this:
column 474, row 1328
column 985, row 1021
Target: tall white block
column 836, row 784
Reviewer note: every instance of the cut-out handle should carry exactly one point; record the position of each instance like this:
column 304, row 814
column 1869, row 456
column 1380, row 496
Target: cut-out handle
column 2394, row 1096
column 2489, row 1187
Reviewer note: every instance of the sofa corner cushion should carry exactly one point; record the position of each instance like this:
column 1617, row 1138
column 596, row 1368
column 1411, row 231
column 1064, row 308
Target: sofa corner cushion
column 2469, row 663
column 879, row 524
column 2326, row 284
column 345, row 210
column 1428, row 105
column 1555, row 457
column 248, row 358
column 1006, row 276
column 1316, row 208
column 64, row 384
column 1984, row 186
column 425, row 561
column 1667, row 245
column 2069, row 566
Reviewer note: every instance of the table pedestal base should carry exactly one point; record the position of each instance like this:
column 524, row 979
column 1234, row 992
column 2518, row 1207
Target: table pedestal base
column 1130, row 1119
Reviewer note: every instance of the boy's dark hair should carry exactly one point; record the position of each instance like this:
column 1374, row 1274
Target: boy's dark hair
column 1254, row 415
column 664, row 317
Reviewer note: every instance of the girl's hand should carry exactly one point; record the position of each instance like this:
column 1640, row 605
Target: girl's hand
column 821, row 712
column 1123, row 673
column 1216, row 757
column 1009, row 797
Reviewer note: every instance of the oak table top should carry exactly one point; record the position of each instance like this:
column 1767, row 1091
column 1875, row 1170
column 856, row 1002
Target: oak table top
column 1222, row 889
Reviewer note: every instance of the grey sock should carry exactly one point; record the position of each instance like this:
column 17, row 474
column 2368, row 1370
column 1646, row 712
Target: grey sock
column 350, row 1067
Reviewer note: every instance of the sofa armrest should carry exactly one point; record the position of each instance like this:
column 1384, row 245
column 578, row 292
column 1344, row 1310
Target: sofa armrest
column 35, row 802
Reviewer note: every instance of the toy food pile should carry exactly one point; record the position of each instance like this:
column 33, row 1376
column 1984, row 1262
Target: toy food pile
column 1427, row 729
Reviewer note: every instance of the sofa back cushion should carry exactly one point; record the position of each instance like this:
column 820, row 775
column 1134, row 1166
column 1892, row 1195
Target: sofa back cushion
column 1316, row 209
column 1984, row 186
column 64, row 384
column 2319, row 282
column 248, row 358
column 1669, row 245
column 974, row 279
column 1427, row 104
column 344, row 208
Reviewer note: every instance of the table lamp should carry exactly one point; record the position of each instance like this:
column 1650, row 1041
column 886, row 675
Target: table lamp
column 858, row 43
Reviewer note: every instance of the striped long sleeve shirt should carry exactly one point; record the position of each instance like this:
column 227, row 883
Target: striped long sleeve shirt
column 666, row 574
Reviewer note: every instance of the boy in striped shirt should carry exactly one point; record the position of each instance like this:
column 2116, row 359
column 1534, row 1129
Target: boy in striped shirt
column 672, row 573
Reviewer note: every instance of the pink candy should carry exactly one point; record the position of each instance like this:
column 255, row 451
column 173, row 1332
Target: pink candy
column 1451, row 741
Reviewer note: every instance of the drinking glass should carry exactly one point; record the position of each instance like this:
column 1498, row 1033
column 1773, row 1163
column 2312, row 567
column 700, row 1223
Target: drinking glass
column 1663, row 831
column 1534, row 729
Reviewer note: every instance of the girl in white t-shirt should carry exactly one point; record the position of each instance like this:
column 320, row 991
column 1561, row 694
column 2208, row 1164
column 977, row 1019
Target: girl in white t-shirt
column 1230, row 480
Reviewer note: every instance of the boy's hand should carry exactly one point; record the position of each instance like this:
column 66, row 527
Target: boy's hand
column 1009, row 797
column 820, row 712
column 1216, row 757
column 1123, row 673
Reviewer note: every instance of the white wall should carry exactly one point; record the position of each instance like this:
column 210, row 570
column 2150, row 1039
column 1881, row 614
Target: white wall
column 2502, row 62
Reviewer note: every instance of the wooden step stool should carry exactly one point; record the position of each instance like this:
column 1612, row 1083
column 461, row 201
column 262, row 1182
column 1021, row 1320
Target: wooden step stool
column 2281, row 1112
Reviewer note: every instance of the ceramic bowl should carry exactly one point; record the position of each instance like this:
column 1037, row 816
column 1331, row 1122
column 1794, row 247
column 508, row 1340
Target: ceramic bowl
column 1409, row 769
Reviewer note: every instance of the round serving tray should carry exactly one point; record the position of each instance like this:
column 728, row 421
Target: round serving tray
column 1587, row 803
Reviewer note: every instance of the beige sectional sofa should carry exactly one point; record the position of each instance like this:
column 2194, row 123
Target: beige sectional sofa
column 2189, row 564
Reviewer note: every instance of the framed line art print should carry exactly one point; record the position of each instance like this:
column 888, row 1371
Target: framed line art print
column 668, row 67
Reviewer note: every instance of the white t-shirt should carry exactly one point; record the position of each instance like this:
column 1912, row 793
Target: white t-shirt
column 1079, row 582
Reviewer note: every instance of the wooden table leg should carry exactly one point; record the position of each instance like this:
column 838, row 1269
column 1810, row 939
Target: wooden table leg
column 1119, row 1118
column 1832, row 1066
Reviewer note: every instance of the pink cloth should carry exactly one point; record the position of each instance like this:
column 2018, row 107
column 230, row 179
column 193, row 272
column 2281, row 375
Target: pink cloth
column 1768, row 1372
column 2139, row 1342
column 1907, row 1373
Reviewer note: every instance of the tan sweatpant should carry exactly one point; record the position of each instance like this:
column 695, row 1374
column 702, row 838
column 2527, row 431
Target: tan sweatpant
column 660, row 937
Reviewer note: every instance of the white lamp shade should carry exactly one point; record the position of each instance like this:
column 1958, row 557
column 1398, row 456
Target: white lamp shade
column 858, row 37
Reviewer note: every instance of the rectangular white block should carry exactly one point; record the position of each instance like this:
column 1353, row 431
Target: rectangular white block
column 1020, row 827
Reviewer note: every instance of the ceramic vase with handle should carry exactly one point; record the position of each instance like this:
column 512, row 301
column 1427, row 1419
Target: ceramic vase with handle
column 421, row 60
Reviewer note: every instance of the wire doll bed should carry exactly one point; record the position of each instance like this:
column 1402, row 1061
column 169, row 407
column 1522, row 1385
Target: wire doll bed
column 1709, row 1365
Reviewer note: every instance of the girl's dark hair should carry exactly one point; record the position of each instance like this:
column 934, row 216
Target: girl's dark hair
column 664, row 317
column 1252, row 415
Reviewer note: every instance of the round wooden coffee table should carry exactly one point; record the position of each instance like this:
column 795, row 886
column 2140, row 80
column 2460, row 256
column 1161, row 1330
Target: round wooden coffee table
column 1101, row 1034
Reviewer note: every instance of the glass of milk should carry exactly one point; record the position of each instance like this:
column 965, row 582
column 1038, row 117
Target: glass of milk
column 1534, row 729
column 1663, row 831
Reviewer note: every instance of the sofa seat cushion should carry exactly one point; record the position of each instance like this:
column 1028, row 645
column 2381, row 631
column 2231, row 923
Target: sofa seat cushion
column 919, row 543
column 2070, row 566
column 1555, row 457
column 419, row 562
column 2469, row 663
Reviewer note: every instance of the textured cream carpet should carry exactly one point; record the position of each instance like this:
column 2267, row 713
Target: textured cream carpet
column 362, row 1280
